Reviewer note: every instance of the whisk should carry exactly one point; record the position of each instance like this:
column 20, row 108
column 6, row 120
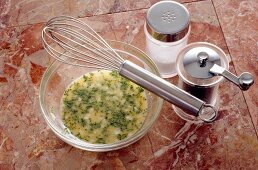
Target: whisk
column 72, row 41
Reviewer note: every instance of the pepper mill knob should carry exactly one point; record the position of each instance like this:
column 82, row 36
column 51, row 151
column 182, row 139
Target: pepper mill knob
column 246, row 80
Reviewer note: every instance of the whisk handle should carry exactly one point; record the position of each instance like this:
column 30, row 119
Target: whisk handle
column 162, row 88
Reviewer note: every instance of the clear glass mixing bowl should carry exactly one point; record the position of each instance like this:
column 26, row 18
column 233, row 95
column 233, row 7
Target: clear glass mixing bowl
column 59, row 75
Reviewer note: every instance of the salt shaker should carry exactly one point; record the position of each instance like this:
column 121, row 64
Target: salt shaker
column 201, row 68
column 167, row 29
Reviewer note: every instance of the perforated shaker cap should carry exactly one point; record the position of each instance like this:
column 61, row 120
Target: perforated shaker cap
column 167, row 21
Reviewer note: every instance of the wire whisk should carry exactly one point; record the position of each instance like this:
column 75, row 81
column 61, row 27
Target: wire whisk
column 70, row 40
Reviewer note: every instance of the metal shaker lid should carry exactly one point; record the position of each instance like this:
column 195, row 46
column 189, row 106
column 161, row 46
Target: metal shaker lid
column 167, row 21
column 198, row 61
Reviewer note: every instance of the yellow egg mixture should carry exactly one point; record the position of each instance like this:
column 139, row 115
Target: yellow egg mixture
column 103, row 107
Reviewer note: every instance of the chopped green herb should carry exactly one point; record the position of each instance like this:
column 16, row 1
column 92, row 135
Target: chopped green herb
column 95, row 125
column 121, row 136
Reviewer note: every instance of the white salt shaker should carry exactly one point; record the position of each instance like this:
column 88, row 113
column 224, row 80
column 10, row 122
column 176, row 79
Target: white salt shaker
column 167, row 29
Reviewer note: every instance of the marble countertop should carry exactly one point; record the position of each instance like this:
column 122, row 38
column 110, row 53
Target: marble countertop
column 229, row 143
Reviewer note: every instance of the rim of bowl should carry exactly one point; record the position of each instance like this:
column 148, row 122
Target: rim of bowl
column 99, row 147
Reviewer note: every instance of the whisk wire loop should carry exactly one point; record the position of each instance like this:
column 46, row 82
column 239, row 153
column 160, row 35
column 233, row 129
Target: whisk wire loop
column 78, row 54
column 91, row 45
column 72, row 41
column 66, row 56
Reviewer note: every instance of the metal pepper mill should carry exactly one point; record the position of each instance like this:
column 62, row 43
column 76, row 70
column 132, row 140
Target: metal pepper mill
column 201, row 68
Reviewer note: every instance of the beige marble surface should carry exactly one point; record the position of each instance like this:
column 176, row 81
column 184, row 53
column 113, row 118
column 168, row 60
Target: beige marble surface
column 27, row 143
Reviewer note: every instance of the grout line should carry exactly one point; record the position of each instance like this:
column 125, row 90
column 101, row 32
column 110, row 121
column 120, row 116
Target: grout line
column 42, row 22
column 109, row 13
column 233, row 64
column 22, row 25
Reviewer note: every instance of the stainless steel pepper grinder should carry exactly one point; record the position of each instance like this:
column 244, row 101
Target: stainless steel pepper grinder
column 201, row 68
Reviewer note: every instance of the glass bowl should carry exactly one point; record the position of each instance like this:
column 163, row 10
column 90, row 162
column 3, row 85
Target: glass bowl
column 59, row 75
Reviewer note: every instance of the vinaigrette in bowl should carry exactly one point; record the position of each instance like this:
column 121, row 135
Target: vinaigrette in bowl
column 103, row 107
